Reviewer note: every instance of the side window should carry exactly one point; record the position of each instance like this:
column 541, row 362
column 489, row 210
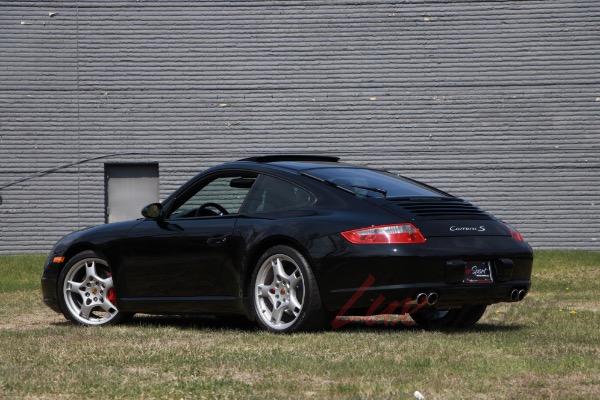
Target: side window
column 220, row 196
column 275, row 195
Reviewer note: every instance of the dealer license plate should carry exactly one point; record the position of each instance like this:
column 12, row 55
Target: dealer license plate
column 478, row 272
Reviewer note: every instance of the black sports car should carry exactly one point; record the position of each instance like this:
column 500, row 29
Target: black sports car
column 291, row 241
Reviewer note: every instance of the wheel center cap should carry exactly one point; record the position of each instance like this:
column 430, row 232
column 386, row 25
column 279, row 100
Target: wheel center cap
column 282, row 291
column 94, row 290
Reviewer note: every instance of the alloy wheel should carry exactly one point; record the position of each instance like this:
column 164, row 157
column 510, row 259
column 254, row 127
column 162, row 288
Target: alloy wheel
column 279, row 292
column 89, row 292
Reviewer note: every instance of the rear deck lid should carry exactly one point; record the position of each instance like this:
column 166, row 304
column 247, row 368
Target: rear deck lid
column 446, row 216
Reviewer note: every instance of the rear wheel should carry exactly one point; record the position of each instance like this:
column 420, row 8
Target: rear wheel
column 472, row 315
column 284, row 292
column 438, row 318
column 87, row 294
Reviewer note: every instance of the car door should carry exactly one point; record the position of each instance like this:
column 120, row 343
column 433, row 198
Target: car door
column 182, row 256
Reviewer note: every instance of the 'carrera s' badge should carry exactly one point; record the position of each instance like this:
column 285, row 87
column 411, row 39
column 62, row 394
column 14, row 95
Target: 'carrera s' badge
column 479, row 228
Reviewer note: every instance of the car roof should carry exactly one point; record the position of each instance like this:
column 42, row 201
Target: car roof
column 299, row 162
column 286, row 164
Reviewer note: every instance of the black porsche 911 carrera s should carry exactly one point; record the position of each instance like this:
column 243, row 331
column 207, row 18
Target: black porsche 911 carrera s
column 289, row 242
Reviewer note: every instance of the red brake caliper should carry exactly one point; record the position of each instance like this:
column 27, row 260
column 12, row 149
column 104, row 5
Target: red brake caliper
column 111, row 295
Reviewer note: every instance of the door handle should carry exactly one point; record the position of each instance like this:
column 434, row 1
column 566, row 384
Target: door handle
column 217, row 240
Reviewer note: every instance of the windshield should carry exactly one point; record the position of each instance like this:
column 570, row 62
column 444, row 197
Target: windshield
column 373, row 183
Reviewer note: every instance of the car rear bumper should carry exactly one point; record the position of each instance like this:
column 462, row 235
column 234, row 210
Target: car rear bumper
column 373, row 277
column 393, row 297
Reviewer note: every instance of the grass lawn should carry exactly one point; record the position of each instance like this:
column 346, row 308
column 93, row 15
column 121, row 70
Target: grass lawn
column 547, row 346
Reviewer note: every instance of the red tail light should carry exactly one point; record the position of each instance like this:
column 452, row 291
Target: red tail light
column 385, row 234
column 515, row 233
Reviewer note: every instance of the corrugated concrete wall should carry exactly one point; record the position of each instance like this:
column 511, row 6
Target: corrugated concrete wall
column 495, row 101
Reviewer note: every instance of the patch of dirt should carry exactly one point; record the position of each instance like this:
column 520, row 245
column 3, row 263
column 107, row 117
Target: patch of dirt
column 383, row 319
column 38, row 319
column 529, row 385
column 578, row 305
column 575, row 385
column 575, row 273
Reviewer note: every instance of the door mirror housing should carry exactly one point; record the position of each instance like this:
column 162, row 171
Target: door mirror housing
column 152, row 211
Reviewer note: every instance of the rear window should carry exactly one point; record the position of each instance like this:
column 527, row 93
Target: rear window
column 373, row 183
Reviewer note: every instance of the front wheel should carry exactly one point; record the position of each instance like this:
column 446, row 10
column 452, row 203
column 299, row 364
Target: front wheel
column 284, row 292
column 437, row 318
column 86, row 291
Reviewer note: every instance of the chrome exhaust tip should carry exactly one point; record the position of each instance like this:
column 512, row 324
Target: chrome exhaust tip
column 514, row 295
column 521, row 294
column 432, row 298
column 421, row 298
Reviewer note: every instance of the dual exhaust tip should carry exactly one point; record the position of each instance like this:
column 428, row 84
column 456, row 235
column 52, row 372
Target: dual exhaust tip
column 432, row 298
column 429, row 299
column 517, row 294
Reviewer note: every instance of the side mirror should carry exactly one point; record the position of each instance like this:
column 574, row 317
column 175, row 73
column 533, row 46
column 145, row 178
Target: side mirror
column 152, row 211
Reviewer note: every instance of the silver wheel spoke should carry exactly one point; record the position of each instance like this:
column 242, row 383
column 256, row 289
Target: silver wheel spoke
column 294, row 303
column 107, row 306
column 263, row 290
column 74, row 286
column 295, row 278
column 278, row 270
column 108, row 283
column 90, row 270
column 86, row 310
column 277, row 314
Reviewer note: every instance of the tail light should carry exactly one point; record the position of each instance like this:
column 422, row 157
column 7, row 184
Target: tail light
column 516, row 235
column 385, row 234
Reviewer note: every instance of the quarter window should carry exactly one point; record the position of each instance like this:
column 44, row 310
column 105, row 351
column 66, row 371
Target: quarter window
column 275, row 195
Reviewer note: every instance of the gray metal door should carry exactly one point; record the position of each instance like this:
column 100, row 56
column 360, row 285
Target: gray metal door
column 129, row 187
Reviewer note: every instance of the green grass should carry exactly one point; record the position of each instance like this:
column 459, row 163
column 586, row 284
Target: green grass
column 546, row 347
column 20, row 272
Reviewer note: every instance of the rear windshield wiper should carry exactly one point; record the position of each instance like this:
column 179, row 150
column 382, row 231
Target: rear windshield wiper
column 372, row 189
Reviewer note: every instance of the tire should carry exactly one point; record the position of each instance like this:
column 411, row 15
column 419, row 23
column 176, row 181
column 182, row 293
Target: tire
column 458, row 318
column 85, row 291
column 471, row 315
column 283, row 293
